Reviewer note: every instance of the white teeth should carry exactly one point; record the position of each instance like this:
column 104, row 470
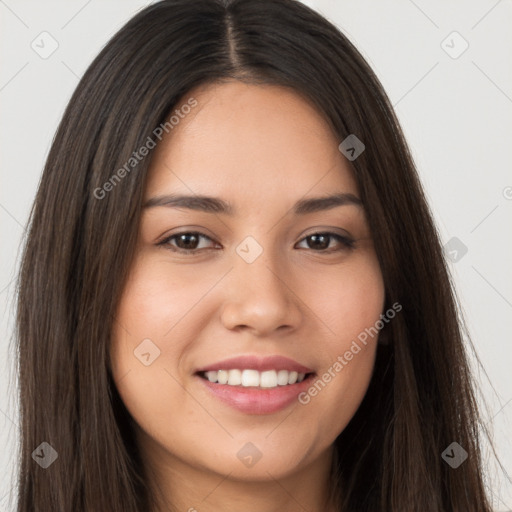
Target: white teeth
column 222, row 377
column 235, row 377
column 250, row 378
column 254, row 378
column 211, row 376
column 292, row 377
column 282, row 377
column 268, row 379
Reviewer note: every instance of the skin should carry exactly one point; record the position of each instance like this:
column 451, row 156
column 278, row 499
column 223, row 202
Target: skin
column 262, row 148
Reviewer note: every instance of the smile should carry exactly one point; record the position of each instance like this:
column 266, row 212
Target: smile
column 254, row 378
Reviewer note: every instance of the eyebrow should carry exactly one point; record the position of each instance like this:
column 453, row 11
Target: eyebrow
column 210, row 204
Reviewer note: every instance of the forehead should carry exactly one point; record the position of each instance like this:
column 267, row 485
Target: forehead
column 249, row 142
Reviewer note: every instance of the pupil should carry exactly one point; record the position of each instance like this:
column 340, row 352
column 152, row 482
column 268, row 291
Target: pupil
column 323, row 245
column 186, row 238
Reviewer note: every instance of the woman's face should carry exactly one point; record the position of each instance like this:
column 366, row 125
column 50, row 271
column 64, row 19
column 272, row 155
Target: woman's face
column 282, row 283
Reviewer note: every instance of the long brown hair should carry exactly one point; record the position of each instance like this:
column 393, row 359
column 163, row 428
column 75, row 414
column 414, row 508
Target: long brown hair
column 79, row 247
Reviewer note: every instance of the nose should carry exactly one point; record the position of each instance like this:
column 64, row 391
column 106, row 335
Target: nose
column 260, row 298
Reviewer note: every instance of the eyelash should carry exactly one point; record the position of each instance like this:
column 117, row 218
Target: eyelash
column 348, row 243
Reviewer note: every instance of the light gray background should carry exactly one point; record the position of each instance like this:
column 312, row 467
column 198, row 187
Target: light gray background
column 456, row 114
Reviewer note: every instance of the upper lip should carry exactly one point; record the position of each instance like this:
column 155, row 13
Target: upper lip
column 257, row 363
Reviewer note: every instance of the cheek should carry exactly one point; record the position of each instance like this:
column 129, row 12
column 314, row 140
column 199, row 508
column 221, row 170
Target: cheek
column 349, row 311
column 156, row 296
column 148, row 311
column 347, row 298
column 157, row 304
column 151, row 331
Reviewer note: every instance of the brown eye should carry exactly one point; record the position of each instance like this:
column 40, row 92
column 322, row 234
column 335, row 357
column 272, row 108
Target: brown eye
column 186, row 242
column 321, row 242
column 189, row 242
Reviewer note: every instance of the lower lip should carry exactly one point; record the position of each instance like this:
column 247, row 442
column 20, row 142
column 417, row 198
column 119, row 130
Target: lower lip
column 252, row 400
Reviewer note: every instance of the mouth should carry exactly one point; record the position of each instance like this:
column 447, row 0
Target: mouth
column 253, row 392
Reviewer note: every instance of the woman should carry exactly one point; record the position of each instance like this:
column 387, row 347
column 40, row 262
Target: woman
column 233, row 294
